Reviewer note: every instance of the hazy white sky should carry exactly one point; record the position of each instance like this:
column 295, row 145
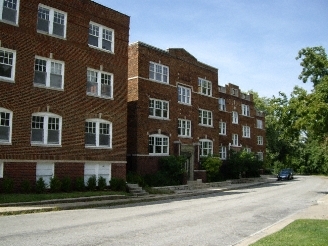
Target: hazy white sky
column 253, row 43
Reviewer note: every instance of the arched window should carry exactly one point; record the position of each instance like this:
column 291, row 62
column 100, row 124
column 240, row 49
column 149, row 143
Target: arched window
column 206, row 147
column 6, row 122
column 158, row 144
column 98, row 133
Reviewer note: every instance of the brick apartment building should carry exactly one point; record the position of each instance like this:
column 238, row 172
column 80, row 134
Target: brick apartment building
column 63, row 90
column 176, row 107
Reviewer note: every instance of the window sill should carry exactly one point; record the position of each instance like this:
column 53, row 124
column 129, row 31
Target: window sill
column 98, row 147
column 5, row 143
column 97, row 96
column 181, row 136
column 45, row 145
column 158, row 154
column 9, row 22
column 210, row 126
column 161, row 82
column 51, row 35
column 186, row 104
column 100, row 49
column 48, row 87
column 157, row 118
column 7, row 80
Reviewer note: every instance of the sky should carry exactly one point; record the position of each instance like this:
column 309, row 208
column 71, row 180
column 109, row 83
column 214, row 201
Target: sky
column 253, row 43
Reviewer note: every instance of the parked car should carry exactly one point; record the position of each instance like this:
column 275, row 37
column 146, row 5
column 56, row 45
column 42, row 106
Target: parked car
column 285, row 174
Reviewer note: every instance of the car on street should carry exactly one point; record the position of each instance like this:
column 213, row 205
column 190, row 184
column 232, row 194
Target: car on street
column 285, row 174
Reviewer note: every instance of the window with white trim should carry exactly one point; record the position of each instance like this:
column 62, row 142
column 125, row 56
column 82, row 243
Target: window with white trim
column 222, row 104
column 234, row 117
column 246, row 132
column 184, row 95
column 45, row 171
column 222, row 128
column 97, row 170
column 245, row 110
column 259, row 140
column 158, row 144
column 223, row 152
column 51, row 21
column 184, row 128
column 1, row 169
column 158, row 72
column 7, row 64
column 204, row 87
column 99, row 83
column 247, row 150
column 158, row 108
column 234, row 139
column 98, row 133
column 205, row 117
column 9, row 10
column 6, row 122
column 260, row 156
column 48, row 73
column 206, row 147
column 259, row 124
column 46, row 129
column 101, row 37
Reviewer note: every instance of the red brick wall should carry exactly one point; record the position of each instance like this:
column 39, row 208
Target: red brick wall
column 119, row 171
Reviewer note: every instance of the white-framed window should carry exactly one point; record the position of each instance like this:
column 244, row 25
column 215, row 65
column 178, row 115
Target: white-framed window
column 101, row 37
column 99, row 83
column 51, row 21
column 6, row 122
column 1, row 169
column 247, row 150
column 222, row 104
column 204, row 87
column 158, row 144
column 184, row 128
column 234, row 117
column 246, row 132
column 259, row 140
column 7, row 64
column 45, row 171
column 98, row 133
column 259, row 124
column 222, row 128
column 9, row 10
column 184, row 95
column 260, row 156
column 48, row 73
column 205, row 117
column 158, row 72
column 46, row 129
column 235, row 140
column 97, row 170
column 245, row 110
column 234, row 92
column 158, row 108
column 223, row 152
column 206, row 147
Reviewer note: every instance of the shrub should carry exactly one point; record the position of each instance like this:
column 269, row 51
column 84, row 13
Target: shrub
column 66, row 184
column 101, row 183
column 55, row 184
column 212, row 166
column 40, row 186
column 79, row 184
column 117, row 184
column 92, row 182
column 7, row 185
column 135, row 178
column 26, row 186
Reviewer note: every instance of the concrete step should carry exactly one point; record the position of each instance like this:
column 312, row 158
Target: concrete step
column 136, row 190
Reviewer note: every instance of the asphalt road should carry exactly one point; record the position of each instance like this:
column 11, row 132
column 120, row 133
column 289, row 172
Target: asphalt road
column 223, row 218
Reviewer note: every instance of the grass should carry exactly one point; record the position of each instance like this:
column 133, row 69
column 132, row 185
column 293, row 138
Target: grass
column 302, row 232
column 14, row 198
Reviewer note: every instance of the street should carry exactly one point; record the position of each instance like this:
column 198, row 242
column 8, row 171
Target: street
column 223, row 218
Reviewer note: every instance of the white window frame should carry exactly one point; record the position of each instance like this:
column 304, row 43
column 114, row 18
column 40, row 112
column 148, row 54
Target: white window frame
column 158, row 144
column 234, row 117
column 95, row 80
column 51, row 18
column 235, row 141
column 184, row 95
column 3, row 123
column 204, row 87
column 206, row 147
column 259, row 124
column 6, row 60
column 259, row 140
column 96, row 130
column 51, row 67
column 1, row 169
column 223, row 152
column 205, row 117
column 98, row 170
column 184, row 128
column 260, row 156
column 248, row 150
column 11, row 3
column 101, row 33
column 46, row 171
column 222, row 128
column 246, row 132
column 159, row 72
column 245, row 110
column 158, row 109
column 45, row 133
column 222, row 104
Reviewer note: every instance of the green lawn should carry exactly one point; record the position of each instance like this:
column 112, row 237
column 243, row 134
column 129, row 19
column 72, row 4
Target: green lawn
column 304, row 232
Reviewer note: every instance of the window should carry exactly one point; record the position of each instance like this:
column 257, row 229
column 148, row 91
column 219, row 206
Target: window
column 158, row 144
column 99, row 83
column 9, row 11
column 49, row 73
column 222, row 104
column 158, row 108
column 204, row 87
column 246, row 132
column 7, row 64
column 260, row 156
column 97, row 170
column 206, row 147
column 1, row 169
column 51, row 21
column 259, row 140
column 222, row 128
column 247, row 150
column 184, row 95
column 234, row 92
column 223, row 152
column 98, row 133
column 5, row 125
column 245, row 110
column 184, row 128
column 45, row 171
column 234, row 117
column 234, row 139
column 158, row 72
column 259, row 124
column 205, row 117
column 101, row 37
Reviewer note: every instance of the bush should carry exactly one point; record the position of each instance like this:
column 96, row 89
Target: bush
column 135, row 178
column 92, row 182
column 40, row 186
column 26, row 186
column 212, row 166
column 101, row 183
column 55, row 184
column 7, row 185
column 79, row 184
column 117, row 184
column 66, row 184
